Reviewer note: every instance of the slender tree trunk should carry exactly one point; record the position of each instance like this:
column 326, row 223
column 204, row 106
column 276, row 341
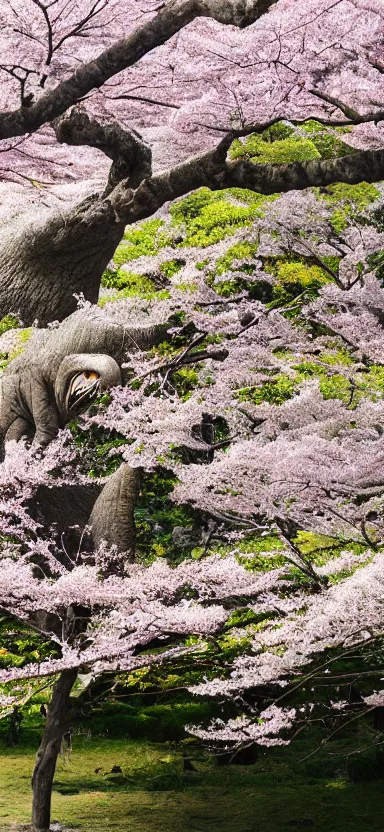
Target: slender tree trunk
column 45, row 263
column 43, row 774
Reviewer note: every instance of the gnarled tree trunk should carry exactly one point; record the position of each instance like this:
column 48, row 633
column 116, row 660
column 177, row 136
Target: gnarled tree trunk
column 42, row 268
column 44, row 265
column 43, row 774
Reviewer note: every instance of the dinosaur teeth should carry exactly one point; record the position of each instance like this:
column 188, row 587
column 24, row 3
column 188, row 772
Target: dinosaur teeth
column 82, row 389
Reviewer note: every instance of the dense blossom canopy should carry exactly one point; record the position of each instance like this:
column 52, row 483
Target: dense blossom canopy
column 278, row 432
column 204, row 79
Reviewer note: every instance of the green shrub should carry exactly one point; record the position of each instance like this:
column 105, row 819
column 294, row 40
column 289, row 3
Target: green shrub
column 147, row 238
column 282, row 144
column 275, row 391
column 349, row 201
column 9, row 322
column 156, row 516
column 283, row 151
column 135, row 284
column 326, row 140
column 171, row 267
column 95, row 446
column 240, row 251
column 295, row 276
column 209, row 216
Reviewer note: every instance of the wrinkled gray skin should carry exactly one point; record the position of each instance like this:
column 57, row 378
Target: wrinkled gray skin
column 112, row 516
column 34, row 387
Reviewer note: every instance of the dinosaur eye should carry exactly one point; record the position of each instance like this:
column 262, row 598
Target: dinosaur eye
column 82, row 390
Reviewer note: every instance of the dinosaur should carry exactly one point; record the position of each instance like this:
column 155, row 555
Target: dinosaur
column 63, row 370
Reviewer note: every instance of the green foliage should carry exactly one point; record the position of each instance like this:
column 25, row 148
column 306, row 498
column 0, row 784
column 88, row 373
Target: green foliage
column 243, row 251
column 332, row 261
column 275, row 391
column 349, row 201
column 239, row 251
column 96, row 448
column 332, row 385
column 326, row 140
column 156, row 516
column 277, row 132
column 244, row 617
column 146, row 238
column 189, row 288
column 209, row 216
column 295, row 277
column 371, row 384
column 191, row 206
column 152, row 792
column 22, row 338
column 283, row 151
column 171, row 267
column 376, row 261
column 20, row 645
column 321, row 547
column 9, row 322
column 134, row 284
column 336, row 357
column 283, row 144
column 217, row 220
column 185, row 380
column 156, row 722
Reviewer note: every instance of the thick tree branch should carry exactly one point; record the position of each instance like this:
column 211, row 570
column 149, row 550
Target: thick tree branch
column 173, row 17
column 131, row 156
column 365, row 166
column 214, row 171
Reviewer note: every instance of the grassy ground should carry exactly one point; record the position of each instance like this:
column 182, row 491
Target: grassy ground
column 153, row 794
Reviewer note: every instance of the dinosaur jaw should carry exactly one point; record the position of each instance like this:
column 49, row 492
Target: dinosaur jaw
column 82, row 390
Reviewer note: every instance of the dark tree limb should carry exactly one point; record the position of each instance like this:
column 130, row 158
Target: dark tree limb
column 212, row 171
column 131, row 156
column 352, row 115
column 352, row 119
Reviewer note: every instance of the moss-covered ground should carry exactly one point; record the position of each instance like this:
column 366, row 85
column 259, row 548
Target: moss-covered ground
column 152, row 793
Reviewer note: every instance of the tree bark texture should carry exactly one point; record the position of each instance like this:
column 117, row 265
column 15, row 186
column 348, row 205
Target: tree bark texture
column 213, row 171
column 43, row 774
column 43, row 267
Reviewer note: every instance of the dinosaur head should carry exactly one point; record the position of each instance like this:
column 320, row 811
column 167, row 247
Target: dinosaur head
column 80, row 379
